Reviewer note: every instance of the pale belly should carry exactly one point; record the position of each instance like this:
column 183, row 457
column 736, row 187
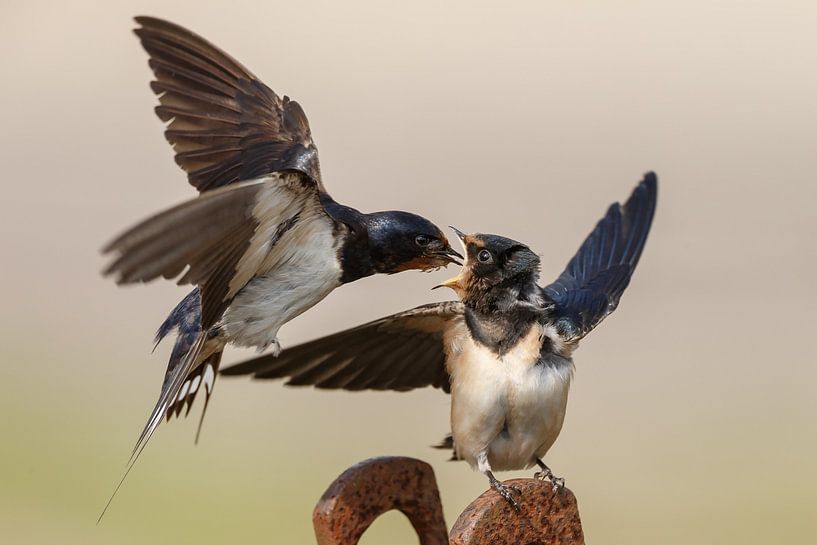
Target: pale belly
column 507, row 409
column 301, row 274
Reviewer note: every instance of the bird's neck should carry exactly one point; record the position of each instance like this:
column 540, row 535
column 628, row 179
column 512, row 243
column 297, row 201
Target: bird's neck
column 500, row 316
column 365, row 249
column 498, row 331
column 505, row 297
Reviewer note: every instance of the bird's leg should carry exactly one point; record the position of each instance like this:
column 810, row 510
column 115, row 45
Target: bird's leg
column 546, row 473
column 504, row 490
column 276, row 347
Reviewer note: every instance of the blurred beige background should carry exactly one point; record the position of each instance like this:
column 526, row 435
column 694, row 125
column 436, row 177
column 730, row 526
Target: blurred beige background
column 693, row 416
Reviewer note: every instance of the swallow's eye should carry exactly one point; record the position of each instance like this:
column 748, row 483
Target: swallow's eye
column 485, row 256
column 422, row 240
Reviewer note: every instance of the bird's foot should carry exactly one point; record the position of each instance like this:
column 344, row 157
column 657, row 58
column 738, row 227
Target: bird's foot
column 505, row 491
column 543, row 475
column 276, row 347
column 547, row 474
column 558, row 483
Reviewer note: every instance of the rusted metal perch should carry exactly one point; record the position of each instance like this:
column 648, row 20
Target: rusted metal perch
column 366, row 490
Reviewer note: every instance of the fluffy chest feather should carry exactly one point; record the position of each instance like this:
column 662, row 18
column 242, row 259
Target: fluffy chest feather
column 299, row 270
column 510, row 408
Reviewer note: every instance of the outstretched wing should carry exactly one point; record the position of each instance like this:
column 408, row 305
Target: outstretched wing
column 398, row 352
column 224, row 124
column 590, row 287
column 223, row 238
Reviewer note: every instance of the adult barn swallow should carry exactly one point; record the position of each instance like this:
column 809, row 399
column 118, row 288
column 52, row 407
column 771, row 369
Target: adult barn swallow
column 504, row 351
column 264, row 241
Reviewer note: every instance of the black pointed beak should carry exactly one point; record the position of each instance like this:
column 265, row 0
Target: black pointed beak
column 451, row 255
column 458, row 232
column 461, row 236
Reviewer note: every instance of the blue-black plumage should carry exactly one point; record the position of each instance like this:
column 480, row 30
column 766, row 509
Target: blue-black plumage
column 592, row 283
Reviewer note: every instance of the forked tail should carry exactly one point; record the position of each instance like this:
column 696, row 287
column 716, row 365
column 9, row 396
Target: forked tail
column 188, row 372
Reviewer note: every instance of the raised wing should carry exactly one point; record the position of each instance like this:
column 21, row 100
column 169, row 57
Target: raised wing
column 399, row 352
column 225, row 125
column 222, row 239
column 590, row 287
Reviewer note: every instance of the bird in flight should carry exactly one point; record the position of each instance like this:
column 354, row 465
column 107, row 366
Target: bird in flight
column 503, row 351
column 264, row 241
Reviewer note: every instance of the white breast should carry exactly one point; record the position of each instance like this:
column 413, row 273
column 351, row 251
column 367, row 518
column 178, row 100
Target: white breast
column 508, row 408
column 301, row 269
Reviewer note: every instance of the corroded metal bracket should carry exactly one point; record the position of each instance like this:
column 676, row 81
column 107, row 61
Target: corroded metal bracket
column 372, row 487
column 368, row 489
column 545, row 516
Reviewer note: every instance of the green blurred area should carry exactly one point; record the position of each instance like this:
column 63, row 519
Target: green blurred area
column 267, row 453
column 693, row 414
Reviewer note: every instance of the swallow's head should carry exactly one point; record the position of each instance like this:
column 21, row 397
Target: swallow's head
column 492, row 263
column 401, row 241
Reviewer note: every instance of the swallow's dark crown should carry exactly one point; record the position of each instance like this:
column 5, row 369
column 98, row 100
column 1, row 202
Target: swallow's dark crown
column 513, row 263
column 381, row 242
column 392, row 240
column 495, row 242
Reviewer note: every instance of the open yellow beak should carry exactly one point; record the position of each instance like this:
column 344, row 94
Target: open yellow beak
column 453, row 283
column 456, row 283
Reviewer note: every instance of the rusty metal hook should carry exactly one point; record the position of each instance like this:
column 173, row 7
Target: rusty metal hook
column 368, row 489
column 372, row 487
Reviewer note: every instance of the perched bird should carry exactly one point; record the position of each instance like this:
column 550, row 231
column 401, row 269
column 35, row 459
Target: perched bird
column 504, row 351
column 264, row 241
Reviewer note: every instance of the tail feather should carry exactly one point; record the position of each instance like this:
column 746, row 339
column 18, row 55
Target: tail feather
column 176, row 376
column 448, row 443
column 209, row 375
column 203, row 375
column 184, row 376
column 170, row 392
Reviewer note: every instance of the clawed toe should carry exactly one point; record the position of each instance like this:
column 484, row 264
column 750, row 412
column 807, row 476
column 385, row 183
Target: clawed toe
column 547, row 474
column 505, row 492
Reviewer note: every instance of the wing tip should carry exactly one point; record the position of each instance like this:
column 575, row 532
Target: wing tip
column 639, row 212
column 650, row 178
column 144, row 19
column 149, row 22
column 110, row 246
column 650, row 183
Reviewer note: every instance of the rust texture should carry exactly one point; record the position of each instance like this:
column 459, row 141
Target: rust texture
column 366, row 490
column 545, row 516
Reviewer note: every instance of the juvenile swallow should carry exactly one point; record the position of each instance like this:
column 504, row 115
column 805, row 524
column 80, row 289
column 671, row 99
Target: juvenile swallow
column 264, row 241
column 503, row 351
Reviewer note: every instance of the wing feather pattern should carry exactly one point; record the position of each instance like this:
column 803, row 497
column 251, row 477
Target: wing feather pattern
column 591, row 285
column 218, row 241
column 399, row 352
column 225, row 125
